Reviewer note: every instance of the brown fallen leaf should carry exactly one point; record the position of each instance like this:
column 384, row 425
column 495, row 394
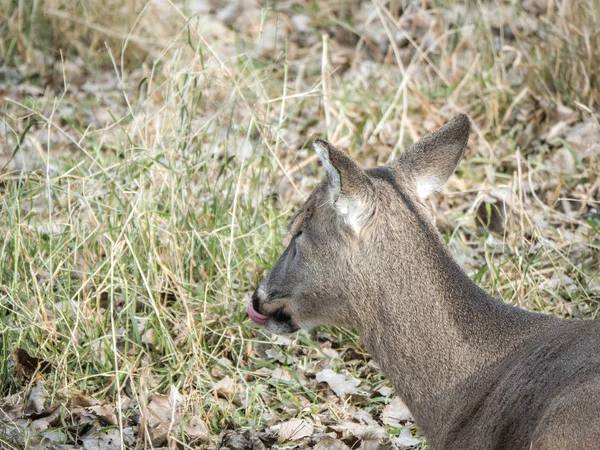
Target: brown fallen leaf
column 329, row 443
column 197, row 429
column 385, row 390
column 293, row 430
column 249, row 440
column 396, row 411
column 535, row 7
column 9, row 411
column 282, row 375
column 563, row 162
column 340, row 384
column 82, row 400
column 164, row 414
column 104, row 439
column 36, row 400
column 360, row 432
column 161, row 417
column 42, row 424
column 229, row 389
column 106, row 413
column 148, row 337
column 30, row 367
column 405, row 439
column 583, row 136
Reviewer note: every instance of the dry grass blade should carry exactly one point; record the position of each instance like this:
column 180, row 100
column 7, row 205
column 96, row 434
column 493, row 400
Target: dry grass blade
column 151, row 153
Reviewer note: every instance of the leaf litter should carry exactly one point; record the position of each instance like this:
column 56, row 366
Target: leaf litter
column 559, row 143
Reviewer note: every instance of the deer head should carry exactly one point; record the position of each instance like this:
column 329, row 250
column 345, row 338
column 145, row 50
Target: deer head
column 357, row 235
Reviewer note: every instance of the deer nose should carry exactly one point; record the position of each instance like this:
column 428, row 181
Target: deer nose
column 256, row 300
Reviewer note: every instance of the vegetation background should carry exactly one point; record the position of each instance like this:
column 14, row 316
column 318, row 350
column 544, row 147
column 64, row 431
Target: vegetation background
column 152, row 151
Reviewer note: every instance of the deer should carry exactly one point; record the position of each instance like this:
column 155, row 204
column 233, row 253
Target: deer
column 475, row 372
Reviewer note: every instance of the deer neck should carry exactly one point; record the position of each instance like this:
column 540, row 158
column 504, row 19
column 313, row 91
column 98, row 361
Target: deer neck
column 433, row 330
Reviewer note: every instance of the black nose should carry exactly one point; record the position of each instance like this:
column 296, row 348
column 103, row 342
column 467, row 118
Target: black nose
column 256, row 301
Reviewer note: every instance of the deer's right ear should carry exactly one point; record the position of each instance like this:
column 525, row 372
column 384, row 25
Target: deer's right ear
column 432, row 160
column 349, row 185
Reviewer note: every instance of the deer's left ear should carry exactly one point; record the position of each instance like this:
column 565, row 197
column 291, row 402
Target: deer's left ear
column 432, row 160
column 349, row 185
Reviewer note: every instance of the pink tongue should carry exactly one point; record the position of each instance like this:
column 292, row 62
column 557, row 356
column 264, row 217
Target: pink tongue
column 256, row 316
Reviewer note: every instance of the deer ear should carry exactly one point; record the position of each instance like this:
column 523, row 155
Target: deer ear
column 349, row 185
column 432, row 160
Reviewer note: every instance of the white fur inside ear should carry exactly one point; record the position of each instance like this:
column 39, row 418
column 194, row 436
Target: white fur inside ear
column 425, row 186
column 332, row 173
column 353, row 211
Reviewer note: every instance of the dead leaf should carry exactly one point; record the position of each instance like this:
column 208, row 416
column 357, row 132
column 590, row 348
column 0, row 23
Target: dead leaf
column 30, row 367
column 229, row 389
column 249, row 439
column 371, row 435
column 82, row 400
column 583, row 136
column 11, row 408
column 396, row 411
column 293, row 430
column 39, row 425
column 275, row 354
column 282, row 375
column 148, row 337
column 197, row 429
column 106, row 413
column 362, row 416
column 563, row 161
column 163, row 415
column 329, row 443
column 340, row 384
column 35, row 402
column 279, row 339
column 221, row 368
column 103, row 440
column 535, row 7
column 385, row 391
column 405, row 439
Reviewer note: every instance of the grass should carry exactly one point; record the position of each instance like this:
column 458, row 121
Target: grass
column 152, row 156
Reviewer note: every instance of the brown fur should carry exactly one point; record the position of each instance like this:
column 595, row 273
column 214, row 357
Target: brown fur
column 475, row 373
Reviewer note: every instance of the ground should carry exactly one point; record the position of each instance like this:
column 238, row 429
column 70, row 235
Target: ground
column 152, row 152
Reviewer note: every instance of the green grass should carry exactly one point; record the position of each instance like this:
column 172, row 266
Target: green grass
column 136, row 219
